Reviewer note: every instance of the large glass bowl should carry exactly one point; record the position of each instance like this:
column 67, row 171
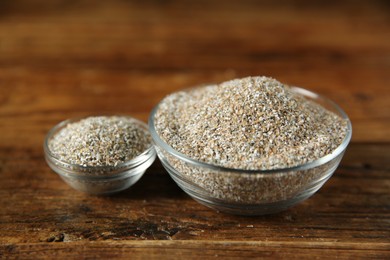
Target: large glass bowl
column 251, row 192
column 99, row 180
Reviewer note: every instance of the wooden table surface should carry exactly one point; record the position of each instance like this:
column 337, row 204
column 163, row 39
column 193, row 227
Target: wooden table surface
column 63, row 59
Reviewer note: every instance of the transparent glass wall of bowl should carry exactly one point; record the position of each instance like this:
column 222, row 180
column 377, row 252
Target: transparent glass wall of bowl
column 99, row 180
column 254, row 192
column 103, row 180
column 246, row 193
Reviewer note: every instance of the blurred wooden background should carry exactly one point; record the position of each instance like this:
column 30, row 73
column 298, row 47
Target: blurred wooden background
column 62, row 59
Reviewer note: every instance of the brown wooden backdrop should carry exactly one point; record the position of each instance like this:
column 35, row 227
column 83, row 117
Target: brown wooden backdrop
column 62, row 59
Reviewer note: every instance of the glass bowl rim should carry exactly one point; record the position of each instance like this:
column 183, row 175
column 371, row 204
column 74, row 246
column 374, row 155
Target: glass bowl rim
column 309, row 165
column 107, row 168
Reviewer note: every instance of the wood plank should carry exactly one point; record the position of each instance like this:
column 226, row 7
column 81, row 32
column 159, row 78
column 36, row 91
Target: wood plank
column 352, row 207
column 28, row 96
column 196, row 249
column 62, row 59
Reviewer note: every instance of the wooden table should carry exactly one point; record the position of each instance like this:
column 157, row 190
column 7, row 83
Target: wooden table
column 63, row 59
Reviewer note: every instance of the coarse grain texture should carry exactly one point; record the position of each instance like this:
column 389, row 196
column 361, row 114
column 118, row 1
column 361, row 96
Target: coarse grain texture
column 254, row 123
column 99, row 141
column 68, row 59
column 248, row 191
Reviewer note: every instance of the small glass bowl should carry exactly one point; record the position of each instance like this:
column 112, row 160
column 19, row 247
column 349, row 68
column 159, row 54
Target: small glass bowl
column 251, row 192
column 99, row 180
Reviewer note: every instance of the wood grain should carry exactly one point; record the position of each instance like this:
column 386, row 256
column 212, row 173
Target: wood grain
column 62, row 59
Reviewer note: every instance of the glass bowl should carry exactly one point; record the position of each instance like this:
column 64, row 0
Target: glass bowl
column 99, row 180
column 251, row 192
